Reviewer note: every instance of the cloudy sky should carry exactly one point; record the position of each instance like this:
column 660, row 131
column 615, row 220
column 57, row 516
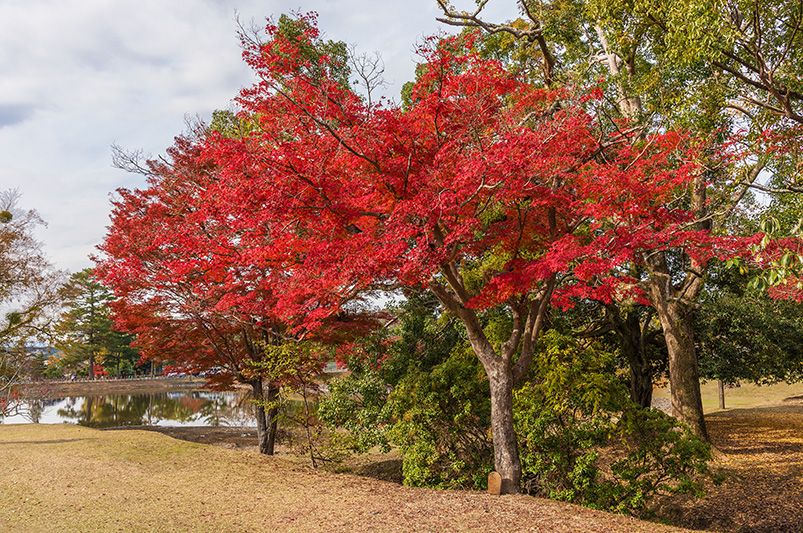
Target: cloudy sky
column 77, row 76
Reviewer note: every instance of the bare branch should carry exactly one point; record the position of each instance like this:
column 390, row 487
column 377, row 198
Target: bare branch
column 133, row 161
column 369, row 69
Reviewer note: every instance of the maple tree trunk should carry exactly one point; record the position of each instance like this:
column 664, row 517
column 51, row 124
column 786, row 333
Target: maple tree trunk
column 263, row 433
column 272, row 418
column 684, row 374
column 506, row 449
column 721, row 392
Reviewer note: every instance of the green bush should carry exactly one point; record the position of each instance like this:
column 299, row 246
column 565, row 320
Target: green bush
column 582, row 440
column 357, row 404
column 441, row 420
column 417, row 387
column 438, row 419
column 420, row 388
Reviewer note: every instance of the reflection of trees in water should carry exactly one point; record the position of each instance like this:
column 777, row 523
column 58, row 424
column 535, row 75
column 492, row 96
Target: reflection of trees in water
column 31, row 409
column 226, row 409
column 213, row 409
column 106, row 411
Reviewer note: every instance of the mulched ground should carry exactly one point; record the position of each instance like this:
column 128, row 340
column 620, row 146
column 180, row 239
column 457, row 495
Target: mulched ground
column 760, row 451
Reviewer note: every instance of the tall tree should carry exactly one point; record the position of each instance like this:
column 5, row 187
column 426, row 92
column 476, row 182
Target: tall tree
column 28, row 292
column 196, row 286
column 713, row 68
column 194, row 282
column 485, row 189
column 164, row 263
column 85, row 331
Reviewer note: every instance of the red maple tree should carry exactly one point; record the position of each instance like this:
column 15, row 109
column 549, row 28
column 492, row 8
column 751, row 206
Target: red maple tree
column 488, row 191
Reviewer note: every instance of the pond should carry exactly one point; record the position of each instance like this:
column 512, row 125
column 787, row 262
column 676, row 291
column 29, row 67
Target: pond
column 179, row 408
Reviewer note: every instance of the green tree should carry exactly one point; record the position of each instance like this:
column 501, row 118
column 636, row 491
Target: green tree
column 750, row 337
column 710, row 68
column 85, row 331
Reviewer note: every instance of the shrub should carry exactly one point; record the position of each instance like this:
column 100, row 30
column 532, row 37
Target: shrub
column 437, row 418
column 582, row 440
column 441, row 420
column 357, row 404
column 420, row 388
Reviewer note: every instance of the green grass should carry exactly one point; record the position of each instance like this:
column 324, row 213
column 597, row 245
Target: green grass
column 746, row 395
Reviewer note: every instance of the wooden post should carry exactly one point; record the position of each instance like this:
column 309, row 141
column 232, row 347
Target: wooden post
column 494, row 483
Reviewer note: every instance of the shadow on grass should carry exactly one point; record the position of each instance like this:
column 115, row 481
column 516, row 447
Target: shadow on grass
column 388, row 470
column 49, row 441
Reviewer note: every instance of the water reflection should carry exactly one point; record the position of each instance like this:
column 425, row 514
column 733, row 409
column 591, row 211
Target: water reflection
column 184, row 408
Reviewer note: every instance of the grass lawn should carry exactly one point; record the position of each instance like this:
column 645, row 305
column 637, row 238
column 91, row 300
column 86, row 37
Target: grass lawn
column 744, row 396
column 70, row 478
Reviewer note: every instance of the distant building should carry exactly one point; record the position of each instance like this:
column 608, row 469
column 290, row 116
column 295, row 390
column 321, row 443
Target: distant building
column 333, row 368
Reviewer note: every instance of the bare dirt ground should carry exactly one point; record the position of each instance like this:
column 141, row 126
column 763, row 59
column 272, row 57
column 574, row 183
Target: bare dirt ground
column 69, row 478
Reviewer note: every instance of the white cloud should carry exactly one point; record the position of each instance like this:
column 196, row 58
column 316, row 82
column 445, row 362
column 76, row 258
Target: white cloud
column 77, row 76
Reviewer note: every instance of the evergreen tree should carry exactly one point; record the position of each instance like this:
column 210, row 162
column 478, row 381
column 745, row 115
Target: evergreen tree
column 85, row 331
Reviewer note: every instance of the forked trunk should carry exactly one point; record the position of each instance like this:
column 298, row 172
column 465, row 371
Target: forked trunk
column 641, row 384
column 528, row 320
column 684, row 374
column 506, row 449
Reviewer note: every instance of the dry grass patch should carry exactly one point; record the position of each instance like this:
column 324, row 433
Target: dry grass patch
column 743, row 396
column 69, row 478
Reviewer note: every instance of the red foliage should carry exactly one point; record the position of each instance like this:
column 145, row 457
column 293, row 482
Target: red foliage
column 487, row 185
column 98, row 371
column 482, row 168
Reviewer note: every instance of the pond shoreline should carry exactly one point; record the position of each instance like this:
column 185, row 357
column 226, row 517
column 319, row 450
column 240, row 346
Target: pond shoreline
column 47, row 389
column 244, row 437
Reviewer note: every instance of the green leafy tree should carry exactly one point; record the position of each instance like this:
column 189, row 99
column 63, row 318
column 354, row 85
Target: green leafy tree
column 744, row 335
column 85, row 331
